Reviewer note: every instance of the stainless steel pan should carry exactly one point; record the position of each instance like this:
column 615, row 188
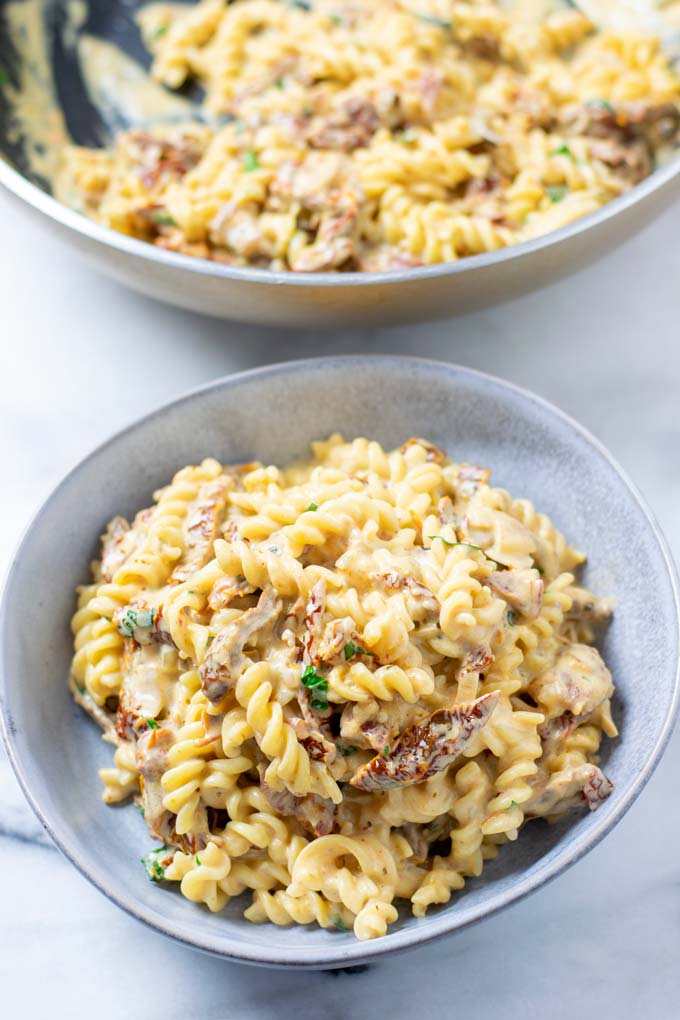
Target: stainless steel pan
column 322, row 299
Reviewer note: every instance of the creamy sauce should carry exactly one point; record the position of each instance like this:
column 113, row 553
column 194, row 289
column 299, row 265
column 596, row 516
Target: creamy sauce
column 121, row 89
column 37, row 123
column 117, row 86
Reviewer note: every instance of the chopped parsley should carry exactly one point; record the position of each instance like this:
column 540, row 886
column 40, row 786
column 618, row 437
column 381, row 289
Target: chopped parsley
column 163, row 219
column 198, row 860
column 152, row 863
column 351, row 650
column 513, row 803
column 540, row 570
column 312, row 506
column 319, row 685
column 280, row 84
column 605, row 104
column 158, row 32
column 386, row 751
column 151, row 723
column 432, row 19
column 511, row 617
column 133, row 620
column 80, row 688
column 4, row 77
column 339, row 924
column 250, row 161
column 562, row 150
column 336, row 19
column 407, row 136
column 469, row 545
column 344, row 749
column 556, row 192
column 140, row 808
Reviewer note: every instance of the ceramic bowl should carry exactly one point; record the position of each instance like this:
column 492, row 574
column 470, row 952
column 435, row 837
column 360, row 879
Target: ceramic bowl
column 272, row 414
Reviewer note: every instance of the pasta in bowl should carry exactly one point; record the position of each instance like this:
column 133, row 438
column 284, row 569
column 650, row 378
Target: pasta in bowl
column 143, row 633
column 341, row 684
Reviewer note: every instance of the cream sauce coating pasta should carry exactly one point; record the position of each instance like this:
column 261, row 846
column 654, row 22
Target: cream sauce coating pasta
column 342, row 684
column 379, row 134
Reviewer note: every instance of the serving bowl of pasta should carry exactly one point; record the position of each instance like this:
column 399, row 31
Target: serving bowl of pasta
column 361, row 692
column 314, row 162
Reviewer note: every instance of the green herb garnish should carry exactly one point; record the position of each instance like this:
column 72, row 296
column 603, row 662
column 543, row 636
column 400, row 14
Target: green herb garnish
column 386, row 751
column 250, row 161
column 158, row 32
column 563, row 150
column 556, row 192
column 151, row 723
column 432, row 19
column 339, row 924
column 163, row 220
column 140, row 808
column 344, row 749
column 198, row 860
column 511, row 617
column 540, row 570
column 4, row 77
column 513, row 803
column 80, row 688
column 152, row 864
column 351, row 650
column 302, row 5
column 280, row 84
column 469, row 545
column 312, row 506
column 133, row 620
column 407, row 136
column 605, row 104
column 336, row 19
column 314, row 682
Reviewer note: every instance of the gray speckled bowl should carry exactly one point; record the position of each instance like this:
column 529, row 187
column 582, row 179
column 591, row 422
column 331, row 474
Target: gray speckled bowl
column 272, row 414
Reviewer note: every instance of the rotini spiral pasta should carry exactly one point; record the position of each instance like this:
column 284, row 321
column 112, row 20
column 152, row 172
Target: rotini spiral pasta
column 341, row 685
column 381, row 135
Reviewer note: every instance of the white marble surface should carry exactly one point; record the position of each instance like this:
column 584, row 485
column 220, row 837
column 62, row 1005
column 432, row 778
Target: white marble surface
column 604, row 939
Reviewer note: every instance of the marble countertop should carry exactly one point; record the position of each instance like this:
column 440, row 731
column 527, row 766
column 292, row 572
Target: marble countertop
column 80, row 357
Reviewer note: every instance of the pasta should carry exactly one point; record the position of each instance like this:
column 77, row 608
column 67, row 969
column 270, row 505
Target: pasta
column 341, row 685
column 380, row 134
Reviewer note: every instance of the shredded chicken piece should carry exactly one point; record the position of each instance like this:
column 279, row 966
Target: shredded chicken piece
column 334, row 244
column 586, row 606
column 521, row 589
column 351, row 127
column 314, row 626
column 469, row 478
column 116, row 546
column 577, row 683
column 226, row 661
column 433, row 453
column 158, row 158
column 202, row 527
column 337, row 634
column 567, row 789
column 317, row 746
column 226, row 589
column 420, row 837
column 314, row 813
column 427, row 747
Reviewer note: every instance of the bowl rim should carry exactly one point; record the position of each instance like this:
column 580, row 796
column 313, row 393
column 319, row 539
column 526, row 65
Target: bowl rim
column 45, row 203
column 446, row 922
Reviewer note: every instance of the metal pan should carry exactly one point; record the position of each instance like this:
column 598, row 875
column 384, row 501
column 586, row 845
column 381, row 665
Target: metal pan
column 284, row 298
